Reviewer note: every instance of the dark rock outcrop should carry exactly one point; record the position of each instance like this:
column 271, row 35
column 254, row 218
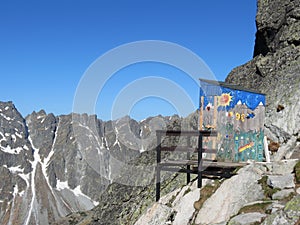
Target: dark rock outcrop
column 278, row 25
column 43, row 176
column 16, row 155
column 275, row 68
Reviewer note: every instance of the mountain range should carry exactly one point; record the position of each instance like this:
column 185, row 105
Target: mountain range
column 78, row 169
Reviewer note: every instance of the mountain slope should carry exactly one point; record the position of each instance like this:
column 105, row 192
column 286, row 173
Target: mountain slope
column 43, row 177
column 52, row 166
column 15, row 166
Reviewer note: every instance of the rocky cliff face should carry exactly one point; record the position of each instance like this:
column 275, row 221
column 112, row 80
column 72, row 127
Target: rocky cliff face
column 15, row 165
column 275, row 68
column 42, row 175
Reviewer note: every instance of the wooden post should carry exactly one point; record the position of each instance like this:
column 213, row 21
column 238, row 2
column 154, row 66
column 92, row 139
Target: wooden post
column 215, row 119
column 188, row 167
column 158, row 160
column 201, row 112
column 266, row 148
column 200, row 160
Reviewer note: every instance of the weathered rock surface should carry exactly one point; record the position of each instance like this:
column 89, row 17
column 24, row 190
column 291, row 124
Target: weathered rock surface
column 283, row 194
column 52, row 166
column 184, row 210
column 277, row 25
column 15, row 166
column 247, row 219
column 281, row 167
column 275, row 69
column 155, row 215
column 180, row 211
column 227, row 205
column 43, row 176
column 281, row 181
column 289, row 215
column 233, row 194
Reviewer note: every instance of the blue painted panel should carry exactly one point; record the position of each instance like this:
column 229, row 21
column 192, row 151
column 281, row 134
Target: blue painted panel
column 250, row 99
column 240, row 129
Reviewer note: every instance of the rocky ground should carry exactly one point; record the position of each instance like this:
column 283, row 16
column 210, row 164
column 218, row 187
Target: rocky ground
column 261, row 193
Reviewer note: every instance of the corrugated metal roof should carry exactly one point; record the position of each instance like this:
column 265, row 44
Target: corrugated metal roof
column 231, row 86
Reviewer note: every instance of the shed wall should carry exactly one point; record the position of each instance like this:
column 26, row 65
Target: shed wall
column 238, row 116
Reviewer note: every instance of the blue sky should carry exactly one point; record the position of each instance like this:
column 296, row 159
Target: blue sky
column 47, row 46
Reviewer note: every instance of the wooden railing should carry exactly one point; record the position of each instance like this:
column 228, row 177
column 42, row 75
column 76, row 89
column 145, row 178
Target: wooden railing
column 199, row 165
column 172, row 165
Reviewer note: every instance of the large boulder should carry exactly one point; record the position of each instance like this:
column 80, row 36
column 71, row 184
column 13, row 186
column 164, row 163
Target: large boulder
column 233, row 194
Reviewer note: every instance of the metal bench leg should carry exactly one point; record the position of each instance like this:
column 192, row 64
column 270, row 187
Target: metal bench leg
column 188, row 156
column 199, row 176
column 188, row 175
column 158, row 159
column 157, row 183
column 200, row 161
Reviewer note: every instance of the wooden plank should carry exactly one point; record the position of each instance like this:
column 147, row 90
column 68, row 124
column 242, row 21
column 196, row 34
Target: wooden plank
column 177, row 133
column 180, row 170
column 179, row 149
column 206, row 163
column 224, row 164
column 204, row 133
column 200, row 161
column 158, row 149
column 158, row 159
column 201, row 113
column 215, row 119
column 188, row 157
column 206, row 173
column 179, row 163
column 186, row 149
column 158, row 169
column 208, row 150
column 215, row 116
column 266, row 149
column 214, row 145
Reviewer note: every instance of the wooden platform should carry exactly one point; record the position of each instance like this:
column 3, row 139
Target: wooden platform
column 205, row 164
column 202, row 167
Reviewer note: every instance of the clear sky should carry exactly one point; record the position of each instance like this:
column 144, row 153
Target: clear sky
column 46, row 47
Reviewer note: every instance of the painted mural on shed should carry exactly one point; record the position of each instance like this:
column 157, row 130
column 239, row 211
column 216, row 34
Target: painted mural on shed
column 238, row 115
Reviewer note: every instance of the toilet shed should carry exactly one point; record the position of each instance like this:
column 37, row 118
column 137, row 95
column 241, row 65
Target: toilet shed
column 238, row 116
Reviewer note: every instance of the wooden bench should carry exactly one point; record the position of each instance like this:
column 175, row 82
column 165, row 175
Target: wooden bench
column 187, row 164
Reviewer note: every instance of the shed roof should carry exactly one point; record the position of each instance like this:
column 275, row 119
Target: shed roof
column 231, row 86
